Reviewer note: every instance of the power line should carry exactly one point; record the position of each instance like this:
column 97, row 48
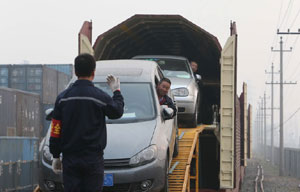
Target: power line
column 286, row 11
column 292, row 115
column 295, row 72
column 289, row 13
column 295, row 19
column 272, row 56
column 279, row 15
column 291, row 55
column 289, row 118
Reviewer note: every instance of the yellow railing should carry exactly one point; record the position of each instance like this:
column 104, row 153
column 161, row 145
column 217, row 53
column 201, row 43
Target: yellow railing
column 180, row 177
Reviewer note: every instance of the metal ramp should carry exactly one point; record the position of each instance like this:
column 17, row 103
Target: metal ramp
column 179, row 174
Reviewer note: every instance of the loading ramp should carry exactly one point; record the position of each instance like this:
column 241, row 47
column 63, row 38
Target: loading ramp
column 179, row 174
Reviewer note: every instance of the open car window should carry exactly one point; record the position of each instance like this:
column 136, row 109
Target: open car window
column 138, row 99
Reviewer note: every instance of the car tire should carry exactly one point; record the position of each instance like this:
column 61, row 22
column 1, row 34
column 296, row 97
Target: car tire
column 176, row 148
column 166, row 186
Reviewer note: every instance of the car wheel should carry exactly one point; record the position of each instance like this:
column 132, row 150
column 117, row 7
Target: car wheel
column 176, row 148
column 166, row 186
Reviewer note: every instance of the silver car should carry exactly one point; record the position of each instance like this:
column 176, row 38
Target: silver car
column 184, row 86
column 141, row 144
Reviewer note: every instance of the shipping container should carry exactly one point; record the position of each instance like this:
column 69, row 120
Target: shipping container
column 20, row 113
column 50, row 82
column 4, row 75
column 18, row 77
column 18, row 163
column 34, row 79
column 65, row 68
column 8, row 112
column 63, row 81
column 41, row 79
column 18, row 148
column 28, row 114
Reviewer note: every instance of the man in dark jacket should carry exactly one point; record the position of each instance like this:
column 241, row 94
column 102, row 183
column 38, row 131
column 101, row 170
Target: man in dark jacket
column 78, row 128
column 194, row 66
column 162, row 91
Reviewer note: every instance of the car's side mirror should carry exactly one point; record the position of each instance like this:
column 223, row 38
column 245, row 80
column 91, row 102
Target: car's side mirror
column 198, row 77
column 49, row 113
column 167, row 113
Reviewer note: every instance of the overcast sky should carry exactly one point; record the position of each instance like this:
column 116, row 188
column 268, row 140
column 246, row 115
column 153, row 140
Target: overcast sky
column 45, row 32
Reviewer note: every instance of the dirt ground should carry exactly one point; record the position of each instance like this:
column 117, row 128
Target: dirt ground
column 272, row 181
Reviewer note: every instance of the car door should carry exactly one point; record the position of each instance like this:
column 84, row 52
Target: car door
column 170, row 126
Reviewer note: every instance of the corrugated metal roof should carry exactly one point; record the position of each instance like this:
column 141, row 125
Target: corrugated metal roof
column 161, row 35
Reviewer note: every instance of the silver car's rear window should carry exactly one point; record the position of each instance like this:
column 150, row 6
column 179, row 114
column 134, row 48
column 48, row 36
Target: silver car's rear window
column 138, row 98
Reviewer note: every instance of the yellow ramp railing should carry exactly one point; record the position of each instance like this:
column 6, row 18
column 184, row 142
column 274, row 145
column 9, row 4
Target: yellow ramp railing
column 179, row 176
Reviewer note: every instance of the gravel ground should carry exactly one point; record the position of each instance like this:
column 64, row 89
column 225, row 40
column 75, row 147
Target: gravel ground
column 272, row 181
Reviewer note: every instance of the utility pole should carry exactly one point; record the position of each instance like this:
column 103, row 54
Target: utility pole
column 261, row 125
column 265, row 127
column 255, row 135
column 258, row 128
column 272, row 111
column 281, row 160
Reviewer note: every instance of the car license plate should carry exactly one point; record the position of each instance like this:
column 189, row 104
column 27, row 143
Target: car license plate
column 108, row 180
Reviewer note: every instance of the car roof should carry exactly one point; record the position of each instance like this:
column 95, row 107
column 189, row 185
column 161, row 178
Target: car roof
column 127, row 70
column 159, row 57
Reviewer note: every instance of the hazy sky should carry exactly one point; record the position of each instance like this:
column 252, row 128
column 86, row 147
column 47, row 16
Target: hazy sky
column 45, row 31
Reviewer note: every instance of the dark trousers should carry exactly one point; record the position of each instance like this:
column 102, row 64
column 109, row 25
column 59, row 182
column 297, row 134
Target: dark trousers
column 83, row 173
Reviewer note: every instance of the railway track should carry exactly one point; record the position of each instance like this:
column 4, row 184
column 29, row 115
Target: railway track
column 259, row 186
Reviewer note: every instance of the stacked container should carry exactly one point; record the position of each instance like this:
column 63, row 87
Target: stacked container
column 18, row 163
column 46, row 80
column 20, row 113
column 4, row 75
column 22, row 119
column 65, row 68
column 19, row 139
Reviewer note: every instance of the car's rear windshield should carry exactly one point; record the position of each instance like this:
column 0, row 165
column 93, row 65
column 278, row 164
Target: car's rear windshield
column 138, row 99
column 173, row 67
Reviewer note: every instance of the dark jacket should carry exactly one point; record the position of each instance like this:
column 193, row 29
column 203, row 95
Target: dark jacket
column 166, row 100
column 78, row 124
